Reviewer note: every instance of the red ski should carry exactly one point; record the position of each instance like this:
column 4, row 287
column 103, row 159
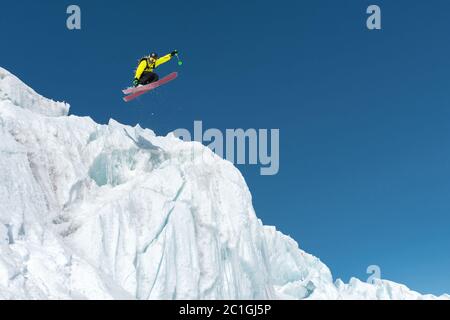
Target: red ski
column 136, row 92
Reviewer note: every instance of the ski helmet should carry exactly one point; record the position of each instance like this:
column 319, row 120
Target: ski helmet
column 154, row 55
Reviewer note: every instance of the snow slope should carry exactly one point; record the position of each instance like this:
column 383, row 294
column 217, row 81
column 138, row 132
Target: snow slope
column 90, row 211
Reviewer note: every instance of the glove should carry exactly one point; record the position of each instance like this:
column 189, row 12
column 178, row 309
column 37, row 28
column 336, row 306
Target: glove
column 135, row 82
column 174, row 52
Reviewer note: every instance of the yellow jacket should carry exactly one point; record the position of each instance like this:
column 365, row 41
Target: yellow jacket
column 144, row 65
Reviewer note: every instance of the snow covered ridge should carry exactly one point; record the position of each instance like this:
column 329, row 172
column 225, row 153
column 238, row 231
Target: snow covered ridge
column 91, row 211
column 14, row 90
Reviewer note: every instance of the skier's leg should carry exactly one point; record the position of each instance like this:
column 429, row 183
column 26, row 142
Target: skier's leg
column 152, row 77
column 148, row 77
column 145, row 77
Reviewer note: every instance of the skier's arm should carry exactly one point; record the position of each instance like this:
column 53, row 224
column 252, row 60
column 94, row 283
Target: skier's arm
column 140, row 69
column 163, row 59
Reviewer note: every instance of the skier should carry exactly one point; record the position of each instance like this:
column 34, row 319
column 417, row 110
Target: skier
column 144, row 72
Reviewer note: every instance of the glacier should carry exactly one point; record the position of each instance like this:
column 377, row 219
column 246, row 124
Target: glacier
column 92, row 211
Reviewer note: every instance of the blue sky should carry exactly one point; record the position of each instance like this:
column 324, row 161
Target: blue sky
column 363, row 115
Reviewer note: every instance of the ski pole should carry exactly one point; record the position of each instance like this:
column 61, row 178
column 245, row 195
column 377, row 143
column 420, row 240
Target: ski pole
column 179, row 61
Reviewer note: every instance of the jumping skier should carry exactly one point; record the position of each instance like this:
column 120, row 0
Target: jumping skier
column 145, row 79
column 144, row 72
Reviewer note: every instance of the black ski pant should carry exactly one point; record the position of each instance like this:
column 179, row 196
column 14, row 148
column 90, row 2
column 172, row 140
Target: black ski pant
column 148, row 77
